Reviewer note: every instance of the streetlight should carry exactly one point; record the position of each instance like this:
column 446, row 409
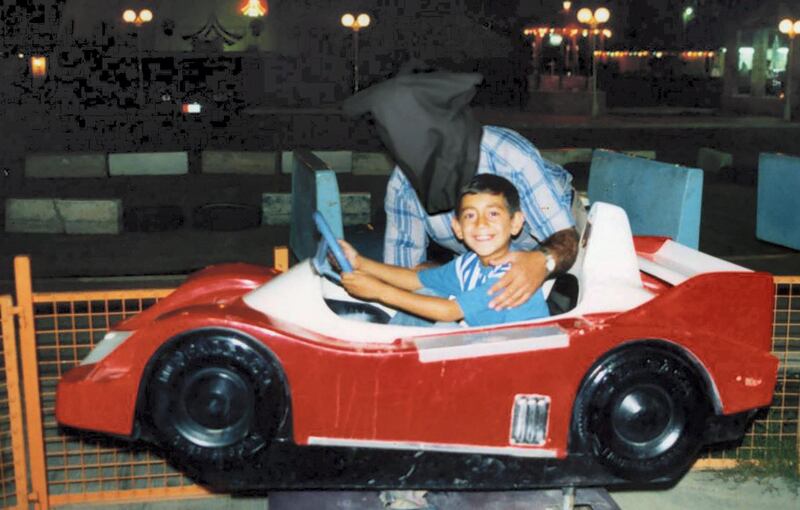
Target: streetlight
column 355, row 23
column 594, row 19
column 137, row 20
column 790, row 28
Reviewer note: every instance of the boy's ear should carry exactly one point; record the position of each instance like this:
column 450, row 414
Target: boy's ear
column 517, row 220
column 456, row 226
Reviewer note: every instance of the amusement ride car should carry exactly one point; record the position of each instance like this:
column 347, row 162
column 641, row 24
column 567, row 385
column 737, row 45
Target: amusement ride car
column 251, row 378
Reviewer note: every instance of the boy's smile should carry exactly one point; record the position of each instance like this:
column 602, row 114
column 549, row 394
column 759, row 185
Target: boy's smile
column 485, row 224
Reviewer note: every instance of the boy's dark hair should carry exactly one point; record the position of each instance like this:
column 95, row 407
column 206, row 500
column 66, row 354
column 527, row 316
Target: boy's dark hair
column 494, row 185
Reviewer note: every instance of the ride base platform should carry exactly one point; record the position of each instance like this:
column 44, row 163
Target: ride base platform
column 550, row 499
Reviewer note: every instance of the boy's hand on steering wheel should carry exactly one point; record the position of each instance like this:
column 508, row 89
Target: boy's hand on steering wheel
column 362, row 286
column 351, row 253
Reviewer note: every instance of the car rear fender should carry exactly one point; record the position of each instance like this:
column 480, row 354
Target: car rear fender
column 734, row 306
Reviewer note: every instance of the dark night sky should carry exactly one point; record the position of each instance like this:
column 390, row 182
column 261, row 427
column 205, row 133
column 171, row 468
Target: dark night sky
column 637, row 24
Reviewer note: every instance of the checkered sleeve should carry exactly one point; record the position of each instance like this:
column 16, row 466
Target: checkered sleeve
column 405, row 242
column 545, row 188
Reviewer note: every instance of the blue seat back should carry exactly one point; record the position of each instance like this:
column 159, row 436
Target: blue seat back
column 777, row 215
column 314, row 188
column 660, row 199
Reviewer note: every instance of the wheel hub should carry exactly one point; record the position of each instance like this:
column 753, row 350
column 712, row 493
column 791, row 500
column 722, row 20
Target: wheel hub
column 646, row 422
column 215, row 407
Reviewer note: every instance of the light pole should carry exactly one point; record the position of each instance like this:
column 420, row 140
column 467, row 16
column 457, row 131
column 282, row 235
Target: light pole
column 790, row 28
column 137, row 20
column 355, row 23
column 594, row 19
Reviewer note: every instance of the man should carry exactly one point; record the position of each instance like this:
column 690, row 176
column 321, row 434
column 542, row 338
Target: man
column 424, row 120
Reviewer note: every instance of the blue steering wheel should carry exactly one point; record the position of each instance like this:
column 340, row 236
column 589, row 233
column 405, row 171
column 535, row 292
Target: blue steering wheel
column 328, row 243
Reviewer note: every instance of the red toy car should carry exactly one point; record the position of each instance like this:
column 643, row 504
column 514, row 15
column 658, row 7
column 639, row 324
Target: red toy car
column 250, row 378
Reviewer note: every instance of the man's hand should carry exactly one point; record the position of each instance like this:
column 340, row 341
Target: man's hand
column 363, row 286
column 525, row 276
column 528, row 269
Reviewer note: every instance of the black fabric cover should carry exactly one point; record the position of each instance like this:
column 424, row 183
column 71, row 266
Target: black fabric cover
column 424, row 120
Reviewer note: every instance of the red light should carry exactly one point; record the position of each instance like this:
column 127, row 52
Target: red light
column 191, row 108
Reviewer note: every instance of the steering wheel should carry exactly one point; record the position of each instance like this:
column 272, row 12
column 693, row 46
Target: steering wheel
column 327, row 244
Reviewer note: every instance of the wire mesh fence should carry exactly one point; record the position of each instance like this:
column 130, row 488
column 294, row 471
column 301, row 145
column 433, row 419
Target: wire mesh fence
column 87, row 467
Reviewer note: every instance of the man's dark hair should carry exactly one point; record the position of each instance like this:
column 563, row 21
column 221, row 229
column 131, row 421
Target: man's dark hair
column 494, row 185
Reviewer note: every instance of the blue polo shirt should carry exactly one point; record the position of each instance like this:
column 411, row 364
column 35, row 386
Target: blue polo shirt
column 468, row 281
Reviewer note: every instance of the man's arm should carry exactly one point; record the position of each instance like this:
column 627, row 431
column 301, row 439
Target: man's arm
column 563, row 245
column 434, row 308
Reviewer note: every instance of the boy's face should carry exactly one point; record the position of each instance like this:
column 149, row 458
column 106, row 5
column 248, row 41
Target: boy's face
column 485, row 224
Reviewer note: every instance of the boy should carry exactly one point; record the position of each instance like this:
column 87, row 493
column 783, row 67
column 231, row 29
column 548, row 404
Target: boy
column 487, row 216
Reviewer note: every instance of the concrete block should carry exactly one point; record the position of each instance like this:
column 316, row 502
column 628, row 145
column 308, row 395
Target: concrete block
column 239, row 162
column 56, row 216
column 65, row 165
column 91, row 216
column 660, row 199
column 276, row 208
column 567, row 155
column 338, row 161
column 712, row 160
column 777, row 214
column 149, row 163
column 355, row 208
column 33, row 215
column 372, row 163
column 646, row 154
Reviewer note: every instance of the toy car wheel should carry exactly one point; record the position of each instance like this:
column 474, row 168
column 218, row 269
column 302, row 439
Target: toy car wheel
column 213, row 398
column 641, row 412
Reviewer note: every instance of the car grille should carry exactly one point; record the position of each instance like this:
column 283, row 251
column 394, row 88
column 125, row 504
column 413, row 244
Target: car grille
column 529, row 419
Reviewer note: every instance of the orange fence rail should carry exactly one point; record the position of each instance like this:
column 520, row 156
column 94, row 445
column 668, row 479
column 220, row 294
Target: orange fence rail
column 56, row 330
column 13, row 469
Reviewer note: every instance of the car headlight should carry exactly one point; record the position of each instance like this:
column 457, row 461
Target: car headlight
column 103, row 348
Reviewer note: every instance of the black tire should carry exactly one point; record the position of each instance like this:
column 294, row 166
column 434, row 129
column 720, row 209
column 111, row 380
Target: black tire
column 213, row 399
column 641, row 412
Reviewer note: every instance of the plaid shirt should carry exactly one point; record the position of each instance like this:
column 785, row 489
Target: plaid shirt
column 545, row 191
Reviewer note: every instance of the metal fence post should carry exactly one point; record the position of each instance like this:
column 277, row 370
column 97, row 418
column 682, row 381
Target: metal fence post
column 14, row 395
column 30, row 381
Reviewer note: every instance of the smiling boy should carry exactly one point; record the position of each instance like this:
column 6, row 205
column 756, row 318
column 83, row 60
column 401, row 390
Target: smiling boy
column 487, row 217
